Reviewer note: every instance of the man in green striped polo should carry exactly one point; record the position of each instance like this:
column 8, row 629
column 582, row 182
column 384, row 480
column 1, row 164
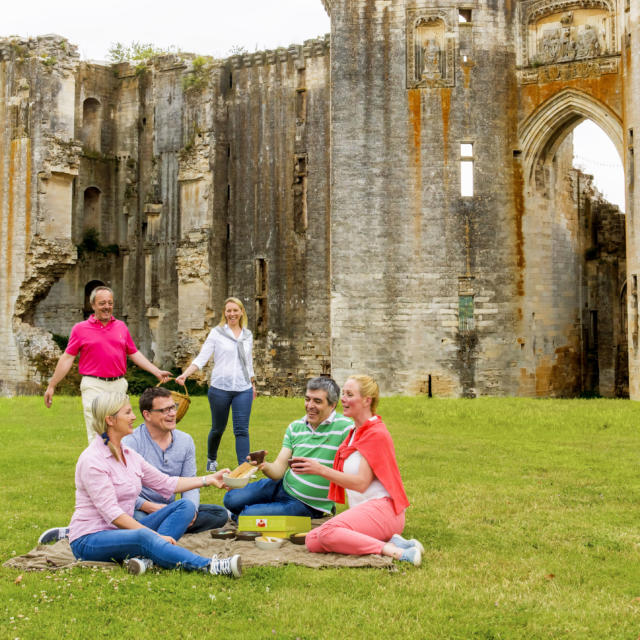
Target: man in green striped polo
column 317, row 435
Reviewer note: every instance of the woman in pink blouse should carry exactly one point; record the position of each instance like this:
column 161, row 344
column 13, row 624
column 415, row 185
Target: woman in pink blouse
column 109, row 477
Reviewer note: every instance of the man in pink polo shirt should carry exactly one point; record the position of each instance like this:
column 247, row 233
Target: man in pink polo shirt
column 103, row 344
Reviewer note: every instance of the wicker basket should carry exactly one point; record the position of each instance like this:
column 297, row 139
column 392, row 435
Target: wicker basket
column 181, row 399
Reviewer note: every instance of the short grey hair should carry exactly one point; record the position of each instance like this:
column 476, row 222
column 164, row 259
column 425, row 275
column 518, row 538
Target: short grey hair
column 326, row 384
column 94, row 293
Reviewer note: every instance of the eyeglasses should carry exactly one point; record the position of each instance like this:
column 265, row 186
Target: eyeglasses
column 166, row 410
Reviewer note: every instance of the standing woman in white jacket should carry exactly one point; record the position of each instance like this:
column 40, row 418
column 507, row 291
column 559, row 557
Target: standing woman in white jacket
column 232, row 383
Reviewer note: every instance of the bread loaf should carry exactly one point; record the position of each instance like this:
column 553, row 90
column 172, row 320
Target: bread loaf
column 242, row 470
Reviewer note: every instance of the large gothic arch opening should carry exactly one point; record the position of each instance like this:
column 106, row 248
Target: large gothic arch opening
column 573, row 323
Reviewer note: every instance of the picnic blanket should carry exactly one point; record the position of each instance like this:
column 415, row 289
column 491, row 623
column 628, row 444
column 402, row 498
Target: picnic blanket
column 59, row 555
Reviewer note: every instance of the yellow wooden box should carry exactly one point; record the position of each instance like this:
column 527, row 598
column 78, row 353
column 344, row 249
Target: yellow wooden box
column 276, row 526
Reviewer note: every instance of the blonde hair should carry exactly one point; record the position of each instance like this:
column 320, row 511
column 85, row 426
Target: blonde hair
column 104, row 405
column 368, row 389
column 244, row 321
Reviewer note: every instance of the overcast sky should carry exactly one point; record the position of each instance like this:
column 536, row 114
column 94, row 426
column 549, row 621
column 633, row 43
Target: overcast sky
column 213, row 27
column 594, row 153
column 209, row 27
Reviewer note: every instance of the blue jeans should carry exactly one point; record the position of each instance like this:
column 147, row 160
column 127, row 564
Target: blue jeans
column 210, row 516
column 240, row 404
column 119, row 544
column 267, row 498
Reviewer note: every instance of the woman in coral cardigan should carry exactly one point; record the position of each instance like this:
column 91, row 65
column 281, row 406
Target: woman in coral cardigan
column 365, row 466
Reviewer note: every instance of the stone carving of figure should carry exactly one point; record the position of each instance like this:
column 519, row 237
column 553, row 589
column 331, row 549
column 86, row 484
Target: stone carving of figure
column 587, row 45
column 431, row 56
column 567, row 45
column 550, row 46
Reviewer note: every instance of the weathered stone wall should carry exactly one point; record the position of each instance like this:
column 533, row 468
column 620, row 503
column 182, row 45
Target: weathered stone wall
column 105, row 201
column 606, row 371
column 325, row 190
column 569, row 68
column 405, row 245
column 206, row 177
column 552, row 281
column 630, row 32
column 278, row 208
column 38, row 162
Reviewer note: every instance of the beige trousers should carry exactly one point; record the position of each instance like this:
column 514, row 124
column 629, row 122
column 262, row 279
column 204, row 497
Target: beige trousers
column 91, row 388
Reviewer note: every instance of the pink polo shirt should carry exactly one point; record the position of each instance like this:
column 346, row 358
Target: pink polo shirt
column 106, row 488
column 103, row 349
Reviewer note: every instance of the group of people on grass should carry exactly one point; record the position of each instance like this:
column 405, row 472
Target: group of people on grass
column 126, row 479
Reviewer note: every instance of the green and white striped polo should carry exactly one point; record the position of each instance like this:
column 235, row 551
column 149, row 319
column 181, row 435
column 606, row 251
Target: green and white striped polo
column 320, row 444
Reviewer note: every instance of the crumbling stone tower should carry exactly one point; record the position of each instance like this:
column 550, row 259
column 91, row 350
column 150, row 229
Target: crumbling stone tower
column 397, row 199
column 176, row 182
column 458, row 289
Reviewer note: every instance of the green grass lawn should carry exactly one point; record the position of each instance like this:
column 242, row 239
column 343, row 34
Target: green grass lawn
column 528, row 509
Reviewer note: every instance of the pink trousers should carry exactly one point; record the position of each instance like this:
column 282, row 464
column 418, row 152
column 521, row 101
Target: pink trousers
column 358, row 531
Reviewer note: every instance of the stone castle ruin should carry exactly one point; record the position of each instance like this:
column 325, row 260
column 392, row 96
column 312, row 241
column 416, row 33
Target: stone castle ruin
column 396, row 198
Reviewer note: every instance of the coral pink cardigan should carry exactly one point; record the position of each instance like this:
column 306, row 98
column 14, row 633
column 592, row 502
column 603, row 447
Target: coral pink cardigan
column 374, row 443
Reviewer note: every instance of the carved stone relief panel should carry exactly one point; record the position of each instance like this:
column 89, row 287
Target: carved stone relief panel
column 567, row 32
column 569, row 36
column 555, row 31
column 430, row 49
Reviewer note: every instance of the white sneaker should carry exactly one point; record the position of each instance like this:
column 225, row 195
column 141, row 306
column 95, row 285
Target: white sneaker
column 403, row 543
column 138, row 566
column 212, row 466
column 53, row 535
column 226, row 566
column 412, row 555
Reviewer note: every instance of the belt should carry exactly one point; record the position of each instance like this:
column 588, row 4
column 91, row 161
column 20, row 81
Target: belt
column 106, row 379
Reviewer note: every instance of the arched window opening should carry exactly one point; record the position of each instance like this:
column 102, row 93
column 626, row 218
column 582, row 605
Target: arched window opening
column 91, row 124
column 91, row 210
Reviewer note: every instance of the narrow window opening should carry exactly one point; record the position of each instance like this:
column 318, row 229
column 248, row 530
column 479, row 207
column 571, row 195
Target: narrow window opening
column 300, row 194
column 91, row 124
column 429, row 391
column 301, row 105
column 634, row 311
column 593, row 328
column 466, row 169
column 91, row 218
column 261, row 296
column 464, row 15
column 465, row 313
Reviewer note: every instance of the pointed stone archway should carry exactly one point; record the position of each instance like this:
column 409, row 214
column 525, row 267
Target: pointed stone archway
column 572, row 326
column 546, row 127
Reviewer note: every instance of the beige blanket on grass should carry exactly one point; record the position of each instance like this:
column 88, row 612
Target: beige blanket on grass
column 59, row 556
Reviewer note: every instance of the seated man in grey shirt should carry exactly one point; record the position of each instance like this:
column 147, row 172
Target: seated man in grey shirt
column 172, row 451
